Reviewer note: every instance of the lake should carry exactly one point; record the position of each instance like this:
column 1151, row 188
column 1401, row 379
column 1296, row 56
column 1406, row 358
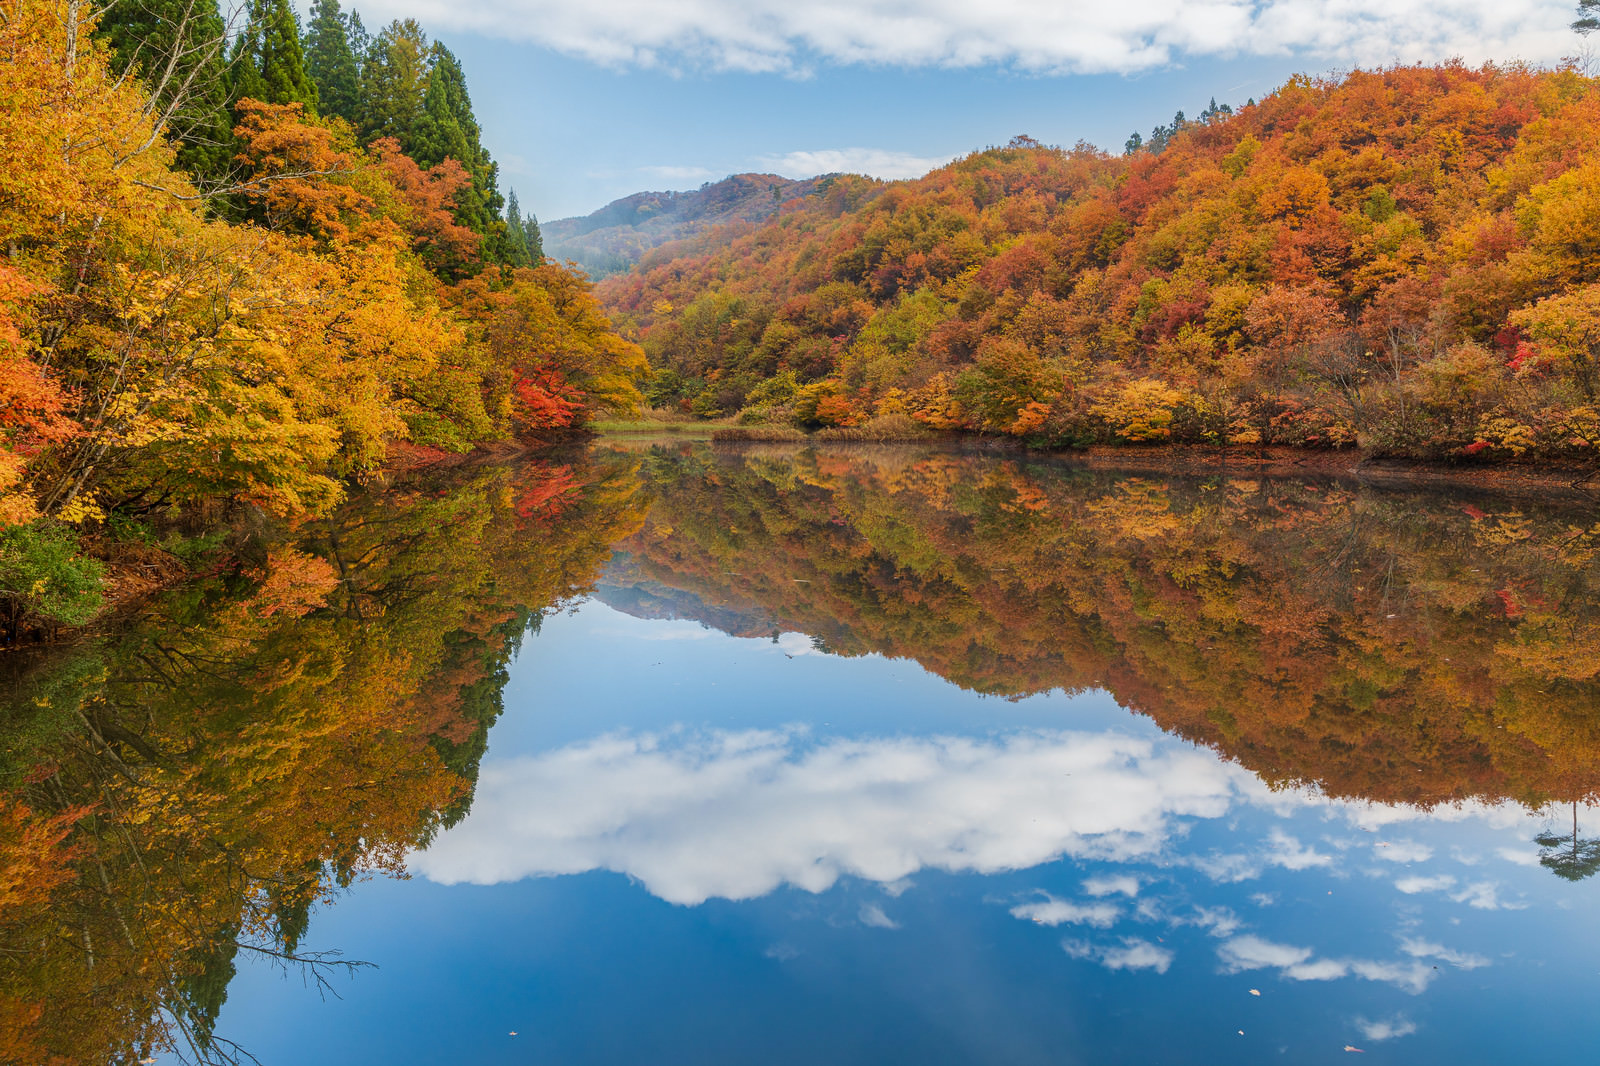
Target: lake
column 662, row 753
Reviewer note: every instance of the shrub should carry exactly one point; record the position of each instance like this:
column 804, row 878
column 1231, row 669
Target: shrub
column 43, row 579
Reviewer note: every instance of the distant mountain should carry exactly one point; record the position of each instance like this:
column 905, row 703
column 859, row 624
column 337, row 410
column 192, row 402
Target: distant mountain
column 614, row 238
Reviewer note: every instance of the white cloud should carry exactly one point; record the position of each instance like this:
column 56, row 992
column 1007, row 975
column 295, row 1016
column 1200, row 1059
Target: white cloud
column 1427, row 949
column 1254, row 953
column 1112, row 884
column 1131, row 954
column 872, row 914
column 1519, row 856
column 1485, row 896
column 1300, row 964
column 1226, row 868
column 1403, row 851
column 1413, row 885
column 1279, row 849
column 672, row 173
column 1052, row 911
column 1386, row 1029
column 694, row 815
column 873, row 162
column 1030, row 35
column 1284, row 850
column 1135, row 954
column 1218, row 921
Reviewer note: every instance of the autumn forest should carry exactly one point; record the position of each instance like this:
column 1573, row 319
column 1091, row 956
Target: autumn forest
column 1272, row 430
column 1401, row 261
column 243, row 272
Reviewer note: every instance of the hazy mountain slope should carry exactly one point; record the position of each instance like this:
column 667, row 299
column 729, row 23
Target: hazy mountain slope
column 613, row 238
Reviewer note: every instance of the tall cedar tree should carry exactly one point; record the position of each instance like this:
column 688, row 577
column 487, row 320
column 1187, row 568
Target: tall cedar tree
column 524, row 243
column 394, row 80
column 449, row 130
column 331, row 61
column 268, row 63
column 178, row 48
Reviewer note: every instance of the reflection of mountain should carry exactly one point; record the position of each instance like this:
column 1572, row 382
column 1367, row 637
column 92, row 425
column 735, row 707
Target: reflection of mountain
column 620, row 587
column 614, row 238
column 193, row 788
column 1399, row 647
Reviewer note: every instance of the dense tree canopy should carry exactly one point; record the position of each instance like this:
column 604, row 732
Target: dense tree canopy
column 159, row 356
column 1399, row 259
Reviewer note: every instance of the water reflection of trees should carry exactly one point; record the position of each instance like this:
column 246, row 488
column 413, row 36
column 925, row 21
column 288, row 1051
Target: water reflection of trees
column 1397, row 646
column 194, row 788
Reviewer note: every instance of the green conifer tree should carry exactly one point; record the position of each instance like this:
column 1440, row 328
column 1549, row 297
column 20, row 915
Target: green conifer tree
column 244, row 73
column 281, row 59
column 179, row 49
column 516, row 234
column 331, row 61
column 394, row 81
column 533, row 239
column 267, row 61
column 1588, row 19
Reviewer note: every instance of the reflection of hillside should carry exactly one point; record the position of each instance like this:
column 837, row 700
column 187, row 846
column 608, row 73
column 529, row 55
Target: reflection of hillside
column 655, row 601
column 193, row 788
column 1391, row 646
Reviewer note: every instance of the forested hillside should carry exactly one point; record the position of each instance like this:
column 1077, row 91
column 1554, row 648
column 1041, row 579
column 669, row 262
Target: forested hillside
column 1406, row 260
column 614, row 238
column 238, row 266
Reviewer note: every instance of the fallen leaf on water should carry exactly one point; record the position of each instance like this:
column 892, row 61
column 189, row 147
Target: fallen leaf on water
column 1255, row 991
column 1357, row 1050
column 512, row 1033
column 1241, row 1032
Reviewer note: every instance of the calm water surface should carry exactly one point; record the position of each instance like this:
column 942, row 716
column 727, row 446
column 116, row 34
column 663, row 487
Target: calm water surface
column 867, row 756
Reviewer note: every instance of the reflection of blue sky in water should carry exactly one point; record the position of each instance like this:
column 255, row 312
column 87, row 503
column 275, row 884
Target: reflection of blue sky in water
column 848, row 854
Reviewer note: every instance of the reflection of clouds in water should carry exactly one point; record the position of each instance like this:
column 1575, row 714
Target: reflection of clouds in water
column 872, row 914
column 1412, row 885
column 1052, row 911
column 1281, row 850
column 1301, row 964
column 1418, row 948
column 1402, row 851
column 1518, row 856
column 1485, row 896
column 736, row 814
column 1131, row 954
column 1111, row 885
column 1386, row 1028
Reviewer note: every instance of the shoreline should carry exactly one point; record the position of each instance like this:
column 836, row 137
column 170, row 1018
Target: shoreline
column 137, row 573
column 1276, row 461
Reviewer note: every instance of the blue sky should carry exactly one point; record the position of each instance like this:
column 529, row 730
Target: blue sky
column 584, row 101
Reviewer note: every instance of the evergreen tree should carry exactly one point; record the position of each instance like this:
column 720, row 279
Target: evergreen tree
column 244, row 75
column 448, row 129
column 1588, row 19
column 331, row 61
column 268, row 64
column 360, row 39
column 281, row 59
column 439, row 133
column 178, row 48
column 534, row 239
column 394, row 81
column 516, row 233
